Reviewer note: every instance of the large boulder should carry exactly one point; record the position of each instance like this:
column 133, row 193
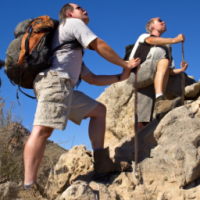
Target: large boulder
column 171, row 171
column 79, row 191
column 78, row 161
column 192, row 91
column 119, row 101
column 169, row 155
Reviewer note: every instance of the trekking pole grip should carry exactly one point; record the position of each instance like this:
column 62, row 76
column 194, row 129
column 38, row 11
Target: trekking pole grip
column 183, row 78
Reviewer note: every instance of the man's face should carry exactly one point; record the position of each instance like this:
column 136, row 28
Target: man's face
column 79, row 13
column 159, row 25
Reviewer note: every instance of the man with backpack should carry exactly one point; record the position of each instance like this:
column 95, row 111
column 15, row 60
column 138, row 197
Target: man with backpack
column 57, row 102
column 156, row 60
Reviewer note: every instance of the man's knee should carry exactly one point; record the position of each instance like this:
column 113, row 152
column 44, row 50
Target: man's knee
column 98, row 111
column 101, row 110
column 42, row 131
column 163, row 64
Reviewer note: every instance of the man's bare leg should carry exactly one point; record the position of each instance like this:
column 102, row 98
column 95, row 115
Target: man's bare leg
column 102, row 161
column 97, row 126
column 162, row 106
column 34, row 151
column 162, row 76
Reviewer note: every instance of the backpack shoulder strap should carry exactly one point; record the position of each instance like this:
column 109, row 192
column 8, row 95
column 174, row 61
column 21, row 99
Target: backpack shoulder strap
column 73, row 44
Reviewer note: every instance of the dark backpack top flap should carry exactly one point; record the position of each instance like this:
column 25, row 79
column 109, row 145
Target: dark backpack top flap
column 22, row 27
column 128, row 51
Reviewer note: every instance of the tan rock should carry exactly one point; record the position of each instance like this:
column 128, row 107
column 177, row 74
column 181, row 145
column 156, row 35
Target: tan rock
column 76, row 162
column 119, row 100
column 178, row 142
column 102, row 191
column 79, row 190
column 192, row 90
column 9, row 190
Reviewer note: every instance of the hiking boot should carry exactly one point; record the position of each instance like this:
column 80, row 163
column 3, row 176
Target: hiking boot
column 103, row 163
column 162, row 106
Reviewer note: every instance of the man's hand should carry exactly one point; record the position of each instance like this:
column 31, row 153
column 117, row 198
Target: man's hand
column 184, row 66
column 126, row 72
column 179, row 38
column 133, row 63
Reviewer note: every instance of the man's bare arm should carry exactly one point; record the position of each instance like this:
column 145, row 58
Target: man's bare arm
column 104, row 50
column 102, row 80
column 162, row 41
column 173, row 72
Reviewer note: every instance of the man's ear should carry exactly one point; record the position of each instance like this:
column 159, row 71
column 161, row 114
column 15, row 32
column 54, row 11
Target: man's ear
column 68, row 14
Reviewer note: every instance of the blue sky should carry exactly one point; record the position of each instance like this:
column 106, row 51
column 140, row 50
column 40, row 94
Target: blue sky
column 119, row 23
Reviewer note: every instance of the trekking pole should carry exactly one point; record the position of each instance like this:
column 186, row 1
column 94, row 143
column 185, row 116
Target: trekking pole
column 183, row 78
column 136, row 123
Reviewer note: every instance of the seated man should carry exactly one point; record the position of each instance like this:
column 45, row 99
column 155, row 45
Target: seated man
column 156, row 64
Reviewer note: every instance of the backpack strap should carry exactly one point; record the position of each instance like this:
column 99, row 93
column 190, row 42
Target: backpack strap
column 73, row 44
column 19, row 89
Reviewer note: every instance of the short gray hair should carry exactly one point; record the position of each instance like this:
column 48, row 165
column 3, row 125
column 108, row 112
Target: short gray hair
column 148, row 25
column 62, row 14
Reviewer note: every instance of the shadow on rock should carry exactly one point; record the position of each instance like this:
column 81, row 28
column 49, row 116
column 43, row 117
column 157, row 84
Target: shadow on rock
column 146, row 142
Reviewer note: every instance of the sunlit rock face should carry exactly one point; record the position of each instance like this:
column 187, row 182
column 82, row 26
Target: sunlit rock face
column 169, row 154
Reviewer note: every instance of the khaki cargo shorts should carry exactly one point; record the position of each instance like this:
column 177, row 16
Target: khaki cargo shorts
column 148, row 68
column 58, row 102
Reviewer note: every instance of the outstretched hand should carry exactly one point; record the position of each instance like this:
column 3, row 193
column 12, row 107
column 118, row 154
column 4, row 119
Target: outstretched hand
column 134, row 62
column 184, row 66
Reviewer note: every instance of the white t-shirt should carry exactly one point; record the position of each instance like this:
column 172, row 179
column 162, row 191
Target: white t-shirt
column 142, row 39
column 68, row 64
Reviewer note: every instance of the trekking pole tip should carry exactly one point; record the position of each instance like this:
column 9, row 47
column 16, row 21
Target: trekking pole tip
column 136, row 172
column 136, row 175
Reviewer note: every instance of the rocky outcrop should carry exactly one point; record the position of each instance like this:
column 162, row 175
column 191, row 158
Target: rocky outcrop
column 192, row 90
column 169, row 160
column 78, row 190
column 172, row 171
column 12, row 140
column 169, row 154
column 78, row 161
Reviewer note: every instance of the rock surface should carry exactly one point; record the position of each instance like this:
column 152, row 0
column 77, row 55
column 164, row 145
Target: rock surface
column 78, row 161
column 80, row 191
column 172, row 171
column 192, row 90
column 171, row 167
column 12, row 140
column 169, row 155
